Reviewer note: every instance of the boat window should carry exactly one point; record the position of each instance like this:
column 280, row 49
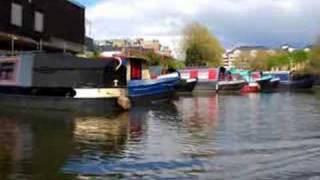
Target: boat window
column 7, row 71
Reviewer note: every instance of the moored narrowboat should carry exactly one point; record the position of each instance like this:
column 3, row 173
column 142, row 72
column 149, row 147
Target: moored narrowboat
column 257, row 81
column 229, row 82
column 206, row 78
column 142, row 88
column 62, row 82
column 187, row 85
column 184, row 86
column 267, row 83
column 290, row 80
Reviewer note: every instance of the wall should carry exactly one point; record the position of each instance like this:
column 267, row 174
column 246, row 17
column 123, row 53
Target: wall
column 62, row 20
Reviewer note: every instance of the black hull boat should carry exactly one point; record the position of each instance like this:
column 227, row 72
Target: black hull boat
column 289, row 81
column 301, row 84
column 230, row 86
column 81, row 105
column 187, row 85
column 268, row 85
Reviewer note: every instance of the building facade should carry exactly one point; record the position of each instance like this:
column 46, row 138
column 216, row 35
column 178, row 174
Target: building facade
column 135, row 45
column 230, row 57
column 29, row 25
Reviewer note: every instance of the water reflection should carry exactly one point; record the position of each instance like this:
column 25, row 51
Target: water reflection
column 27, row 137
column 253, row 136
column 109, row 134
column 199, row 112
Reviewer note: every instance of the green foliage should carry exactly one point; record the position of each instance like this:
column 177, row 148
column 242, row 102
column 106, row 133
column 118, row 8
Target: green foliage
column 155, row 59
column 194, row 56
column 299, row 56
column 314, row 64
column 264, row 60
column 200, row 46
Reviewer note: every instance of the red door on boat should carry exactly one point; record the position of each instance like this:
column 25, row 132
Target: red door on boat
column 136, row 70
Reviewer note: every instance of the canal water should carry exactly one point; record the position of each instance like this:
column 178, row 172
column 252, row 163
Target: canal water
column 253, row 136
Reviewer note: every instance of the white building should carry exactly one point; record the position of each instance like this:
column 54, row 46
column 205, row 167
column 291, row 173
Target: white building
column 230, row 56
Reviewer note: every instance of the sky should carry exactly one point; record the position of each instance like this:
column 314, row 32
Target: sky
column 234, row 22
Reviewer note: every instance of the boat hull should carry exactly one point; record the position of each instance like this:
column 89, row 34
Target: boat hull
column 306, row 83
column 268, row 85
column 232, row 86
column 66, row 99
column 251, row 88
column 145, row 91
column 205, row 86
column 60, row 103
column 291, row 81
column 186, row 86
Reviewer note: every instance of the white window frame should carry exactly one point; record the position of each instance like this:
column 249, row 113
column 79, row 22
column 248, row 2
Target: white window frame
column 16, row 14
column 38, row 21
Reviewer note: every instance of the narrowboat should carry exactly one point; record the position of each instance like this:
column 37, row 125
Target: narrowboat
column 62, row 82
column 289, row 80
column 185, row 85
column 229, row 82
column 142, row 88
column 266, row 82
column 257, row 81
column 206, row 78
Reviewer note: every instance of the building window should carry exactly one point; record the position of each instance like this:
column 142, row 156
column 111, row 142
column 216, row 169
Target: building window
column 16, row 14
column 38, row 21
column 7, row 71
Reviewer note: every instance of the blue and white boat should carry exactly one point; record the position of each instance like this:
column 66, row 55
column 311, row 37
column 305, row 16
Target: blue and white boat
column 142, row 89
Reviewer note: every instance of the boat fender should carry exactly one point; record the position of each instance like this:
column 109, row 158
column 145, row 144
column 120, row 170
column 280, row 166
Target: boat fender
column 124, row 102
column 115, row 83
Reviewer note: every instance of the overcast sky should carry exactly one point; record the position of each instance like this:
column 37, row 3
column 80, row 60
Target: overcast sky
column 234, row 22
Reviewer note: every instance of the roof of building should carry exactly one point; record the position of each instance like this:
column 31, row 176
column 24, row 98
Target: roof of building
column 248, row 48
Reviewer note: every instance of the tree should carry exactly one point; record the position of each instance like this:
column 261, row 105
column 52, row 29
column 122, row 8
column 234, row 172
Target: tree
column 267, row 60
column 242, row 60
column 314, row 63
column 200, row 46
column 155, row 59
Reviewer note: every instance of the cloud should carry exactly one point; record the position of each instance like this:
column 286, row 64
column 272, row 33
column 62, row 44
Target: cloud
column 234, row 22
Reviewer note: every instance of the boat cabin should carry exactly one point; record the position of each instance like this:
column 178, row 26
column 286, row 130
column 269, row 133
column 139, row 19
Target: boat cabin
column 134, row 67
column 57, row 74
column 58, row 70
column 202, row 74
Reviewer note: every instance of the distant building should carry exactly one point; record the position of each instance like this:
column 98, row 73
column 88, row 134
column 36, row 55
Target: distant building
column 166, row 51
column 287, row 47
column 137, row 45
column 119, row 43
column 230, row 56
column 308, row 48
column 52, row 26
column 152, row 45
